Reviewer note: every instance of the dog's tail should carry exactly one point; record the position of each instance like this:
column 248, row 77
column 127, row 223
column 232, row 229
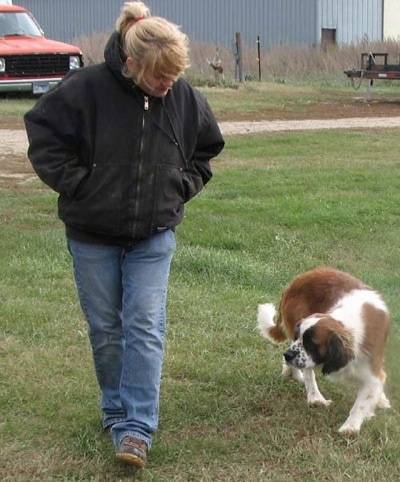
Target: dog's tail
column 269, row 328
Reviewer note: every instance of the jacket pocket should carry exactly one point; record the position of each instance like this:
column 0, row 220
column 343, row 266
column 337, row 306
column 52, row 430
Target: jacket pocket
column 95, row 205
column 169, row 196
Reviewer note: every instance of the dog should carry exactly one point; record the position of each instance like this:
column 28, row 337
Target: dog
column 339, row 324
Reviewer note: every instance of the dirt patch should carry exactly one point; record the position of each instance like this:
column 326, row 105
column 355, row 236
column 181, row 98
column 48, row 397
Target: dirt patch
column 355, row 106
column 11, row 123
column 14, row 164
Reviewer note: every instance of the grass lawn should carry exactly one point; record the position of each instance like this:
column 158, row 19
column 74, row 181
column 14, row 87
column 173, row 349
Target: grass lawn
column 278, row 204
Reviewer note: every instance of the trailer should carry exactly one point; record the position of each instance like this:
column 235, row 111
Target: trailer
column 374, row 65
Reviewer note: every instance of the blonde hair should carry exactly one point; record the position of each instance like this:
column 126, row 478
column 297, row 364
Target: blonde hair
column 153, row 43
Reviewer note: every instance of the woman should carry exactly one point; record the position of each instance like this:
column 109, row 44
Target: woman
column 126, row 143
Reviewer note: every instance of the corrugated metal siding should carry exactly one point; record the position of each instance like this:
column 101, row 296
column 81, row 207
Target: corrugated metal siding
column 65, row 20
column 290, row 22
column 275, row 21
column 392, row 20
column 354, row 20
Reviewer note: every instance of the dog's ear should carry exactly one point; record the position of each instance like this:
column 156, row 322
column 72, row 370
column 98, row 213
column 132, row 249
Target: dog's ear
column 339, row 354
column 311, row 345
column 297, row 330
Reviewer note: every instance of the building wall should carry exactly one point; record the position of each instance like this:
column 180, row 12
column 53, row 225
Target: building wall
column 275, row 21
column 391, row 20
column 289, row 22
column 66, row 19
column 354, row 20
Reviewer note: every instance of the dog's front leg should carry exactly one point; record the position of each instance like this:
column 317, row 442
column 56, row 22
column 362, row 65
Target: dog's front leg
column 289, row 371
column 314, row 396
column 368, row 399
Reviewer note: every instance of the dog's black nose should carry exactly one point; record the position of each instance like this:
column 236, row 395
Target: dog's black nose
column 289, row 355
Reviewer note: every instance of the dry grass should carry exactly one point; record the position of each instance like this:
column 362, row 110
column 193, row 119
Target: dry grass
column 281, row 63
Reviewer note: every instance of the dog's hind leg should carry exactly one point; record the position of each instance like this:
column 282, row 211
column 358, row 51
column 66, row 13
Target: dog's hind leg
column 383, row 402
column 368, row 399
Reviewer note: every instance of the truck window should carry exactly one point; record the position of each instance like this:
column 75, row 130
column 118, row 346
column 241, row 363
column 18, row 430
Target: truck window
column 18, row 24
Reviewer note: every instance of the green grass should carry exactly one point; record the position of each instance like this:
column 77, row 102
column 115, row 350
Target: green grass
column 15, row 105
column 278, row 204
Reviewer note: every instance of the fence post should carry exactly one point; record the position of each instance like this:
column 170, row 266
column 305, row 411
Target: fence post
column 239, row 57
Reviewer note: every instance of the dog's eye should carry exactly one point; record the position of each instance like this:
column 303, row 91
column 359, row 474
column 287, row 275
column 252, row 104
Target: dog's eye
column 309, row 342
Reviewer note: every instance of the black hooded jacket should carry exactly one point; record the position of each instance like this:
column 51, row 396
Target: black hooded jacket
column 123, row 163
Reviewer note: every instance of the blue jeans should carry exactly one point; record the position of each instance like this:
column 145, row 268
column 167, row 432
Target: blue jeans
column 123, row 297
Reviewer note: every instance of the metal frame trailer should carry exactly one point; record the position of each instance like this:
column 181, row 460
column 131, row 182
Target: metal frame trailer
column 374, row 65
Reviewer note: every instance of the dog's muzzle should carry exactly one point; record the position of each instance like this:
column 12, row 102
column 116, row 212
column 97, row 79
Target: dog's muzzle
column 290, row 355
column 296, row 356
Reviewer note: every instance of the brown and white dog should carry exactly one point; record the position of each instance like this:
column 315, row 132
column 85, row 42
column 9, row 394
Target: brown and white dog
column 339, row 324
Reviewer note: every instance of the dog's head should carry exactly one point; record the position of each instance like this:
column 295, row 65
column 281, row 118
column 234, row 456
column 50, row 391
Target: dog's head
column 321, row 340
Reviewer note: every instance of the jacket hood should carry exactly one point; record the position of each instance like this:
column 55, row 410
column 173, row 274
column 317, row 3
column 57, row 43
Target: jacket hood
column 115, row 59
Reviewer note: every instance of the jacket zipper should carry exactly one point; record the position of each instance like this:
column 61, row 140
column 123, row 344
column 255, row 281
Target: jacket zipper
column 146, row 108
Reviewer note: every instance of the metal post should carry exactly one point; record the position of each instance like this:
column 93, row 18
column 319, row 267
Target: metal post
column 370, row 83
column 259, row 58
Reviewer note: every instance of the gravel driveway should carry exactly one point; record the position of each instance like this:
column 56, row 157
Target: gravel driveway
column 14, row 142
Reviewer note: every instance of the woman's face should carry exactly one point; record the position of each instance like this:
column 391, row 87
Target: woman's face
column 152, row 83
column 156, row 85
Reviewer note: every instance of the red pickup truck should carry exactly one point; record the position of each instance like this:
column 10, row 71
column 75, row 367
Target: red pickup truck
column 29, row 62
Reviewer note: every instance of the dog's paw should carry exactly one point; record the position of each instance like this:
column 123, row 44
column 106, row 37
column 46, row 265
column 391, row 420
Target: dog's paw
column 383, row 403
column 349, row 430
column 319, row 402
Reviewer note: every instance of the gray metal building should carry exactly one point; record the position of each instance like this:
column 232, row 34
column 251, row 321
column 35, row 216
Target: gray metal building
column 289, row 22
